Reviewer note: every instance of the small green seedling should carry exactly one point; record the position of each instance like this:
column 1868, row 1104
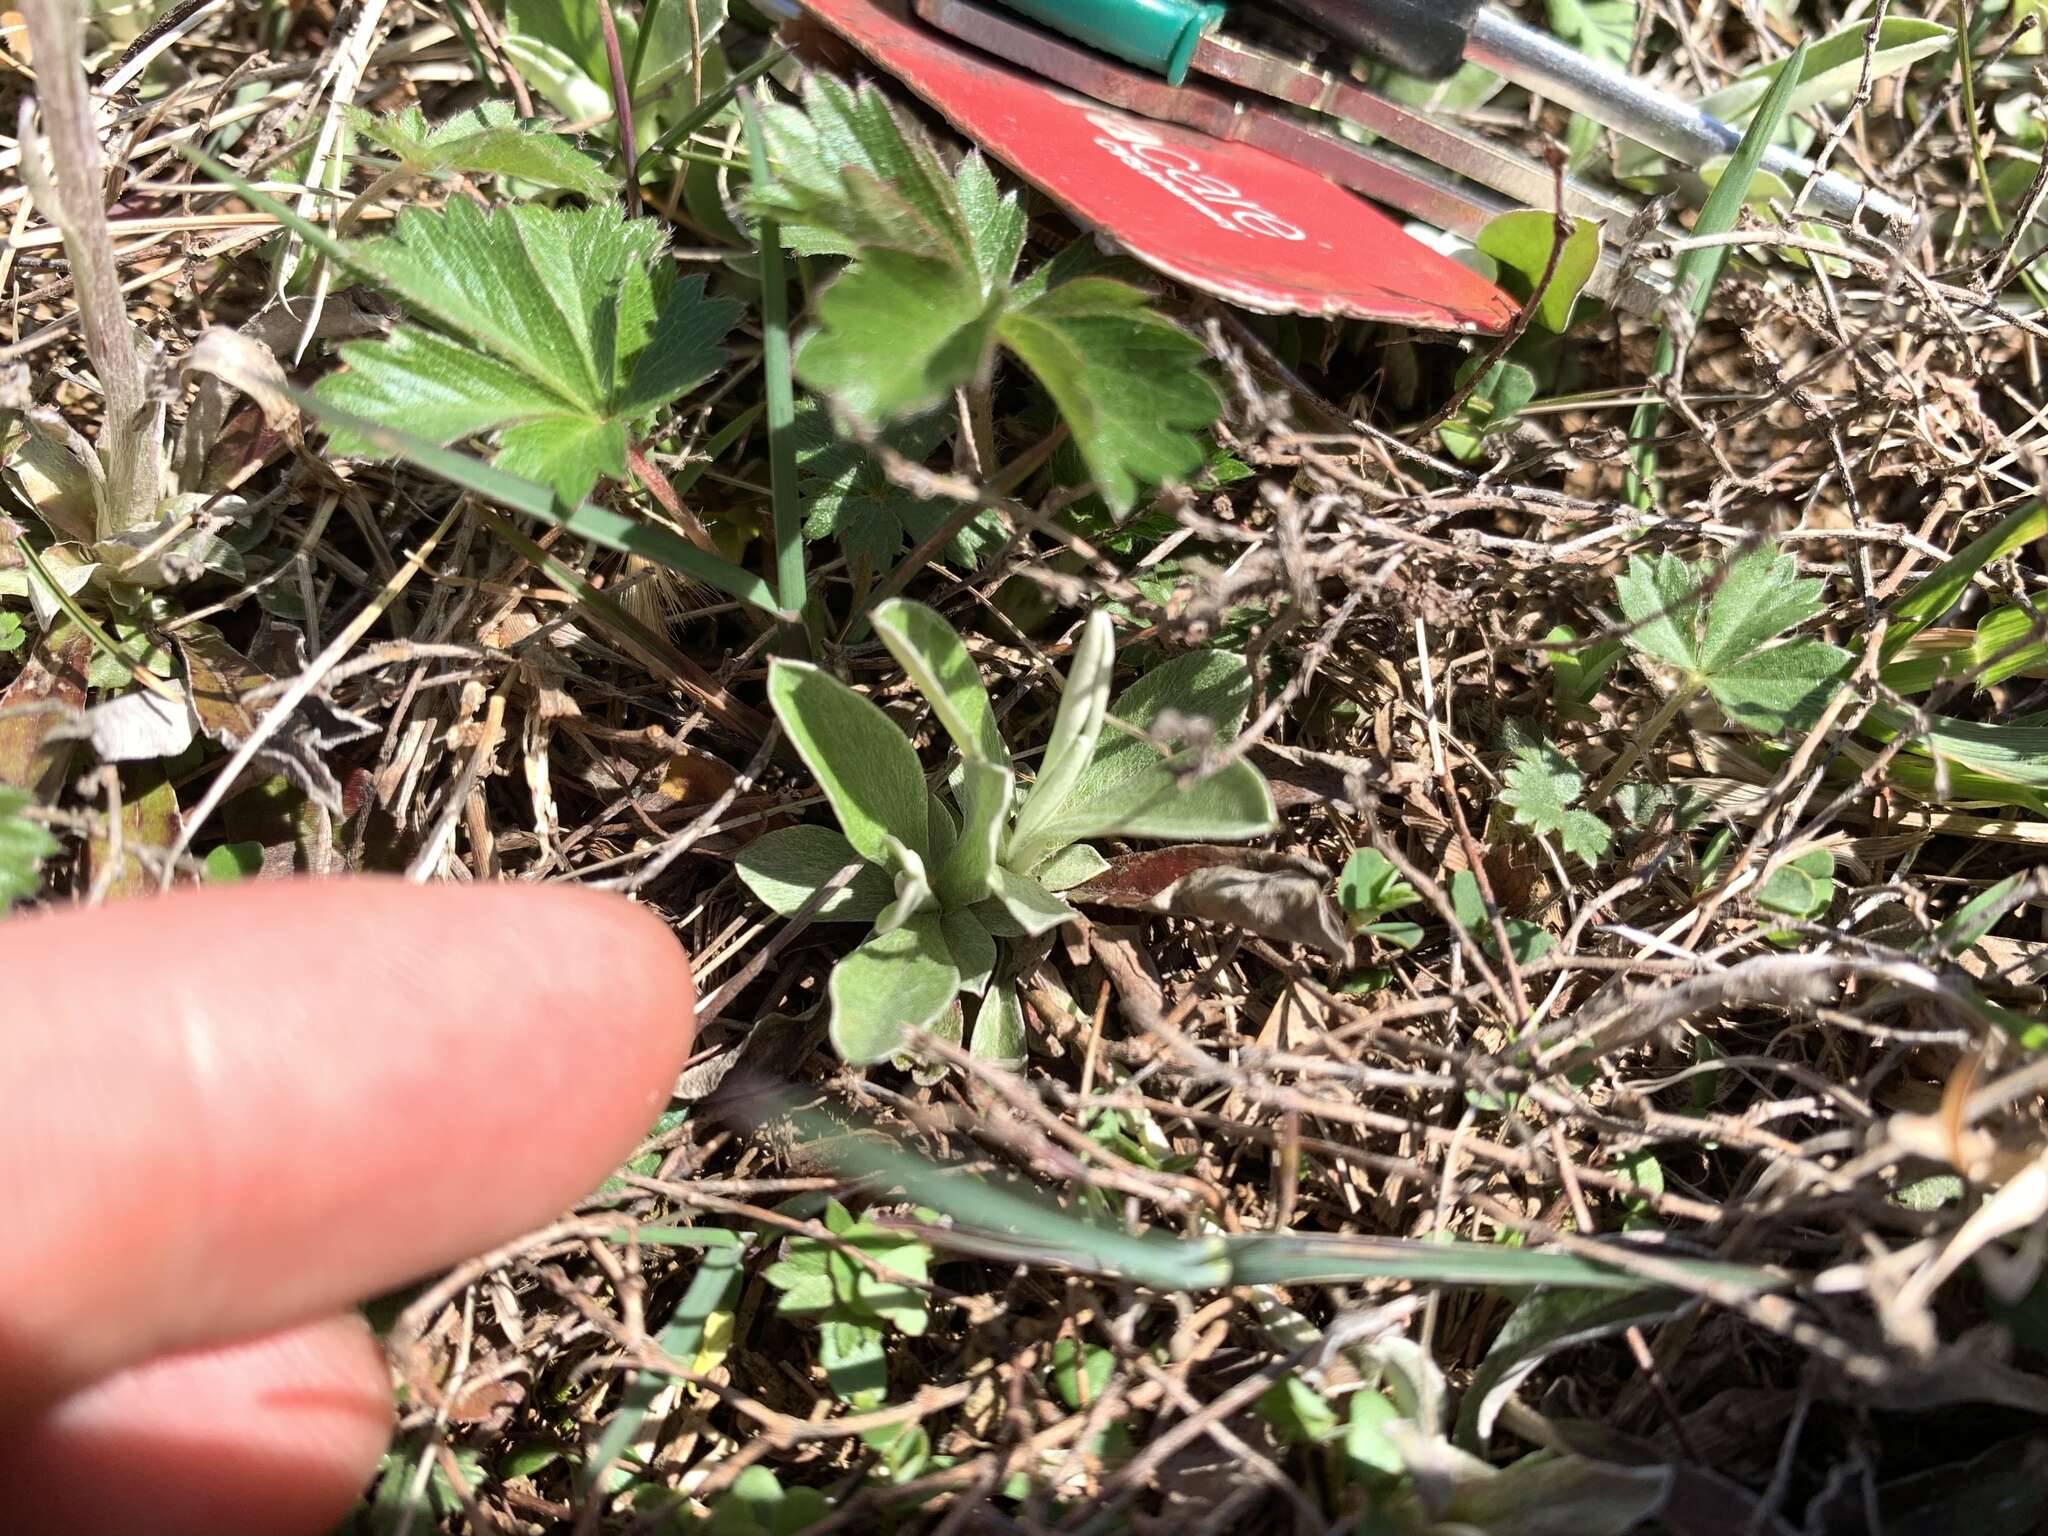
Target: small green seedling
column 1541, row 791
column 941, row 886
column 1370, row 888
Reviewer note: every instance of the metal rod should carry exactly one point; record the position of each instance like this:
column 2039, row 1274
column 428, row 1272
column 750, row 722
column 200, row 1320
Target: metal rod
column 1489, row 162
column 1667, row 123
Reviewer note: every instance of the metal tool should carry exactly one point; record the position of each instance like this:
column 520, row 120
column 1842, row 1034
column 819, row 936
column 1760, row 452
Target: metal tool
column 1174, row 38
column 1410, row 183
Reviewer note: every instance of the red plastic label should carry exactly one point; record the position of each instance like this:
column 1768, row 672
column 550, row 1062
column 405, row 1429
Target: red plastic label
column 1229, row 219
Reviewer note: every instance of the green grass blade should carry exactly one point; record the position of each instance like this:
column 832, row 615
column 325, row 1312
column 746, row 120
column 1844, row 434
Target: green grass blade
column 715, row 103
column 1938, row 591
column 714, row 1288
column 776, row 372
column 598, row 524
column 1028, row 1227
column 1700, row 267
column 1284, row 1258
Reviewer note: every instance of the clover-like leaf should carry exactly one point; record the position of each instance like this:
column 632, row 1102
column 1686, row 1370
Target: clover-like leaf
column 1803, row 887
column 1370, row 887
column 1541, row 789
column 1522, row 240
column 823, row 1280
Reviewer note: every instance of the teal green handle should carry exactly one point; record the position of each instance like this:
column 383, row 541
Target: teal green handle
column 1159, row 35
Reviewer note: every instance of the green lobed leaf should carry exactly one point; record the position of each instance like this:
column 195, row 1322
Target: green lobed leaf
column 1370, row 887
column 847, row 495
column 1781, row 689
column 1128, row 383
column 1760, row 596
column 1604, row 31
column 1541, row 788
column 896, row 334
column 1490, row 406
column 557, row 326
column 892, row 985
column 1659, row 598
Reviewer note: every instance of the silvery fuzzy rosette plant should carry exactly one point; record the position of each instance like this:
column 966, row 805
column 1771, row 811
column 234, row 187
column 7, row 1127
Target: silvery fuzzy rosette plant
column 941, row 878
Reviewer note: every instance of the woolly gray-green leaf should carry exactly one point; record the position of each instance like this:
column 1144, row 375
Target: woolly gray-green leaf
column 931, row 651
column 1030, row 907
column 786, row 867
column 1000, row 1036
column 967, row 872
column 892, row 985
column 973, row 951
column 863, row 763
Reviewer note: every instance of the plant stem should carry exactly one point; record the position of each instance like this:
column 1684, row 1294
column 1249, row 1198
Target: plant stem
column 1966, row 48
column 1642, row 741
column 70, row 190
column 780, row 388
column 622, row 104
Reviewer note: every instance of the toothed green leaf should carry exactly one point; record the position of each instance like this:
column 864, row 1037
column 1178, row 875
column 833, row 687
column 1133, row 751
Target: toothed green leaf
column 1541, row 789
column 559, row 328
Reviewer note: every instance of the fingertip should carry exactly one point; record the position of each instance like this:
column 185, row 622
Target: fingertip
column 275, row 1099
column 278, row 1435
